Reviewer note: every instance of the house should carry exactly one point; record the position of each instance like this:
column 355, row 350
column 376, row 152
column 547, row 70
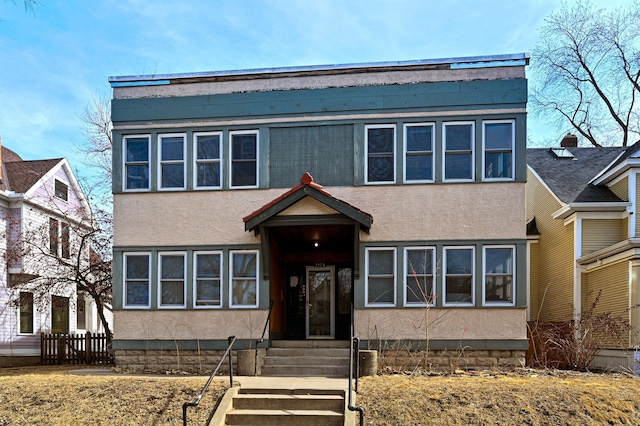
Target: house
column 398, row 185
column 583, row 228
column 41, row 204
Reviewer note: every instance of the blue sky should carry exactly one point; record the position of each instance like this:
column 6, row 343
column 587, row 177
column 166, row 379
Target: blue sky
column 54, row 59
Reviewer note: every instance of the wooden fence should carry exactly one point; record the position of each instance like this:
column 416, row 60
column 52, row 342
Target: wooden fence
column 62, row 348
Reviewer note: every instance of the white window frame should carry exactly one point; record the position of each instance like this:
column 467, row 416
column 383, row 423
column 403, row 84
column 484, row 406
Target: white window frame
column 197, row 161
column 513, row 150
column 244, row 132
column 445, row 275
column 395, row 278
column 195, row 279
column 125, row 163
column 366, row 153
column 444, row 150
column 432, row 249
column 55, row 192
column 33, row 314
column 124, row 280
column 232, row 277
column 184, row 279
column 433, row 152
column 169, row 162
column 513, row 275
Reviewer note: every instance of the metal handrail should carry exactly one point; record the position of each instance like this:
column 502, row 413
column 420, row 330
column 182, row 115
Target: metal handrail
column 354, row 342
column 264, row 330
column 196, row 401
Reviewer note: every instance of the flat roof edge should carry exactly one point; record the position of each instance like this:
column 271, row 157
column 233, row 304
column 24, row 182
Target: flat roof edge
column 492, row 60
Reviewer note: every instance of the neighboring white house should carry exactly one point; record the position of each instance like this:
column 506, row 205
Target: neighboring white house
column 40, row 204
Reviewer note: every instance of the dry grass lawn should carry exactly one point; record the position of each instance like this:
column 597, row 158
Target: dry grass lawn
column 51, row 396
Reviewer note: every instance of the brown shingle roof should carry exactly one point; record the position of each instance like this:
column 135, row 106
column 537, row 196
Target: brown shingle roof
column 22, row 175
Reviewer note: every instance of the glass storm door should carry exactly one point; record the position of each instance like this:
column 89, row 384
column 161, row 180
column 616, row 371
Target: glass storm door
column 320, row 303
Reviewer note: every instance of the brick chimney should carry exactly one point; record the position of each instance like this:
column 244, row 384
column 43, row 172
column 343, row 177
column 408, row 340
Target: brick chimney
column 569, row 141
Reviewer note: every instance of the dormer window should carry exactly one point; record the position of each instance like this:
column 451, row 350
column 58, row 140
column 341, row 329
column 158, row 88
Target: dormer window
column 61, row 190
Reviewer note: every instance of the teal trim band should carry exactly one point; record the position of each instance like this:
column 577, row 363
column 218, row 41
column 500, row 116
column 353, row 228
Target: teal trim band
column 448, row 345
column 183, row 345
column 140, row 83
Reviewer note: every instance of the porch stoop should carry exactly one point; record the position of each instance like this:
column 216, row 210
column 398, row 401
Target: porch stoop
column 307, row 358
column 289, row 407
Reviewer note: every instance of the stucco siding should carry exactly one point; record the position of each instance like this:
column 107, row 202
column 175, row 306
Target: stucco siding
column 445, row 324
column 556, row 254
column 410, row 212
column 600, row 233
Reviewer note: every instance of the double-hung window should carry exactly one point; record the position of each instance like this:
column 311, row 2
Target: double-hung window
column 244, row 159
column 137, row 289
column 54, row 229
column 498, row 141
column 172, row 276
column 244, row 279
column 418, row 152
column 208, row 150
column 380, row 287
column 208, row 276
column 59, row 314
column 59, row 238
column 26, row 313
column 498, row 271
column 458, row 151
column 419, row 264
column 380, row 147
column 136, row 162
column 459, row 267
column 172, row 165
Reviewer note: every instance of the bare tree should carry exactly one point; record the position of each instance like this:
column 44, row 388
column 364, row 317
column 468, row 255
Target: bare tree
column 586, row 72
column 65, row 251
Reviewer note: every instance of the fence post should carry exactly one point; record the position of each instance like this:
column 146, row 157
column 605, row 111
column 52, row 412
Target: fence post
column 42, row 348
column 87, row 348
column 61, row 347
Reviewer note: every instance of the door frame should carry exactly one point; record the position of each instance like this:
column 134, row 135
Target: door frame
column 332, row 301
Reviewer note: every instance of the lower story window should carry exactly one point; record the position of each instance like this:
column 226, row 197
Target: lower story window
column 419, row 273
column 498, row 275
column 172, row 280
column 26, row 313
column 208, row 273
column 59, row 314
column 459, row 275
column 381, row 278
column 136, row 280
column 244, row 278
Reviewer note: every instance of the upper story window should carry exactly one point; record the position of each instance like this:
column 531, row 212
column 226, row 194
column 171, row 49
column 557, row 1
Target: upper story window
column 54, row 226
column 498, row 141
column 172, row 165
column 59, row 238
column 458, row 151
column 244, row 159
column 208, row 150
column 136, row 162
column 380, row 286
column 419, row 159
column 244, row 278
column 172, row 273
column 498, row 283
column 380, row 142
column 419, row 272
column 61, row 190
column 459, row 267
column 137, row 289
column 208, row 278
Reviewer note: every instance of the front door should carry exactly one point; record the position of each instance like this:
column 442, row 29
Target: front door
column 320, row 316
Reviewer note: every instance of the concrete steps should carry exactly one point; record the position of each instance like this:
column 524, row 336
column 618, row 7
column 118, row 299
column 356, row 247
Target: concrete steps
column 287, row 407
column 328, row 358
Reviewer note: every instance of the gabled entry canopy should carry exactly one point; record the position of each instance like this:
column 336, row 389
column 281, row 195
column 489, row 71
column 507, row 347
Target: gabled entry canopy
column 306, row 188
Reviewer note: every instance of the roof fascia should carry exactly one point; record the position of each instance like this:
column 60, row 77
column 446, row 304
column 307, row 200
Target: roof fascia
column 572, row 208
column 607, row 174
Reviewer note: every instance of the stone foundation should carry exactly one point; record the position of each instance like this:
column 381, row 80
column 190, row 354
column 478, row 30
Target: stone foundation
column 162, row 361
column 449, row 361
